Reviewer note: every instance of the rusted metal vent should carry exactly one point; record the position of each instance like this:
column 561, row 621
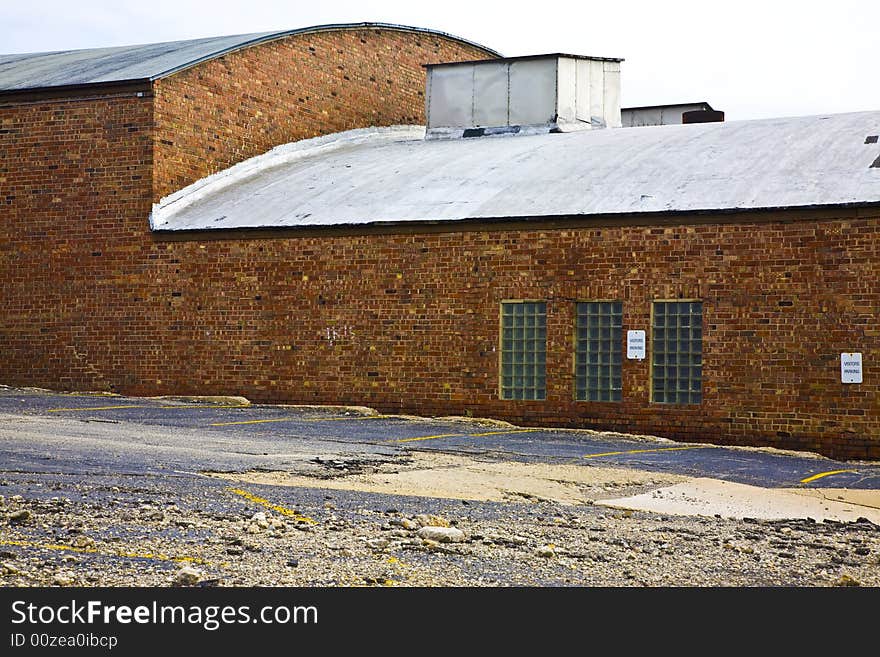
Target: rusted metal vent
column 703, row 116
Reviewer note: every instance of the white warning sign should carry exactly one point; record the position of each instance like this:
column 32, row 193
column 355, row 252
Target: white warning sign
column 635, row 345
column 851, row 368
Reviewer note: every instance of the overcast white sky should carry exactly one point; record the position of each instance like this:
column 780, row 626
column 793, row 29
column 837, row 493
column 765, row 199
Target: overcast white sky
column 750, row 58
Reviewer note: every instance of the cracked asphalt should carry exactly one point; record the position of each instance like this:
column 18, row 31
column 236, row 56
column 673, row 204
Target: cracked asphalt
column 193, row 437
column 109, row 490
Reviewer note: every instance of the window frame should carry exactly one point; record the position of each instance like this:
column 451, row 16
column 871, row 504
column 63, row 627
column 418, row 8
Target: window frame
column 619, row 346
column 651, row 389
column 501, row 349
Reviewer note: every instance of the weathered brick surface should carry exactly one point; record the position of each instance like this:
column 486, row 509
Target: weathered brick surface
column 240, row 105
column 405, row 322
column 75, row 181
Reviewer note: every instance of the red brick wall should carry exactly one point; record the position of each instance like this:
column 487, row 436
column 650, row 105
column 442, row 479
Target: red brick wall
column 82, row 301
column 75, row 181
column 240, row 105
column 92, row 300
column 410, row 323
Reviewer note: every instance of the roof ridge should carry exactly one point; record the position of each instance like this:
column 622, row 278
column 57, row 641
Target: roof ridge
column 35, row 71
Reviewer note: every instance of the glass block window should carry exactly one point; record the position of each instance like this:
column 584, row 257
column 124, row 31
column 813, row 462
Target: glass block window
column 598, row 345
column 677, row 352
column 524, row 350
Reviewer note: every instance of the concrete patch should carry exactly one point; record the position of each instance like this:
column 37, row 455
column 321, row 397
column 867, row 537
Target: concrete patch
column 710, row 497
column 870, row 499
column 225, row 400
column 479, row 421
column 331, row 408
column 460, row 477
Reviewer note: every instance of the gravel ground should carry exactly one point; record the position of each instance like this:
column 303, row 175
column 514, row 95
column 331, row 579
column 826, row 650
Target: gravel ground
column 195, row 531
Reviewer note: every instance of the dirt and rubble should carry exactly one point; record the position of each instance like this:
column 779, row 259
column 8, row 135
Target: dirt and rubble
column 141, row 493
column 237, row 532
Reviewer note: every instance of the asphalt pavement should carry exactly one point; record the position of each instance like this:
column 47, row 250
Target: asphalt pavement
column 110, row 490
column 113, row 434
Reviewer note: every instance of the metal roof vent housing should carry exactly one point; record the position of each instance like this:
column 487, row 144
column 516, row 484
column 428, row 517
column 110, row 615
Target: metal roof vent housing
column 522, row 95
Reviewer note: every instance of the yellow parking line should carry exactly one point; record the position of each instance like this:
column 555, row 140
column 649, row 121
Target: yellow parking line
column 95, row 408
column 209, row 406
column 294, row 419
column 418, row 438
column 113, row 408
column 498, row 433
column 283, row 510
column 643, row 451
column 332, row 419
column 824, row 474
column 459, row 435
column 226, row 424
column 125, row 555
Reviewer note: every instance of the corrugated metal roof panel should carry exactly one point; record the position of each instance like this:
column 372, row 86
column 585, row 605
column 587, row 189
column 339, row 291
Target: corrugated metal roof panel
column 375, row 175
column 146, row 62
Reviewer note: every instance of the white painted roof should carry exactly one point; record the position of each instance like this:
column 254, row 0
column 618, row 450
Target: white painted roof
column 391, row 175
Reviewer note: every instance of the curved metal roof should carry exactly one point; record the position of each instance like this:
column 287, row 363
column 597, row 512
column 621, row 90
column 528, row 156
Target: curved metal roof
column 33, row 71
column 387, row 175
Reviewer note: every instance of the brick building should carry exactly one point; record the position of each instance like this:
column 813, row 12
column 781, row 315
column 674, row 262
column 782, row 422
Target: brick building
column 229, row 216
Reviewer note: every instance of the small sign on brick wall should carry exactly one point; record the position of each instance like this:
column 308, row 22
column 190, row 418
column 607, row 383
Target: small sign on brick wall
column 851, row 367
column 635, row 345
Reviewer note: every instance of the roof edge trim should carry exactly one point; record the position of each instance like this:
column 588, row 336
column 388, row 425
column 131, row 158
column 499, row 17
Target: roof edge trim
column 523, row 58
column 274, row 36
column 90, row 89
column 163, row 211
column 758, row 214
column 666, row 105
